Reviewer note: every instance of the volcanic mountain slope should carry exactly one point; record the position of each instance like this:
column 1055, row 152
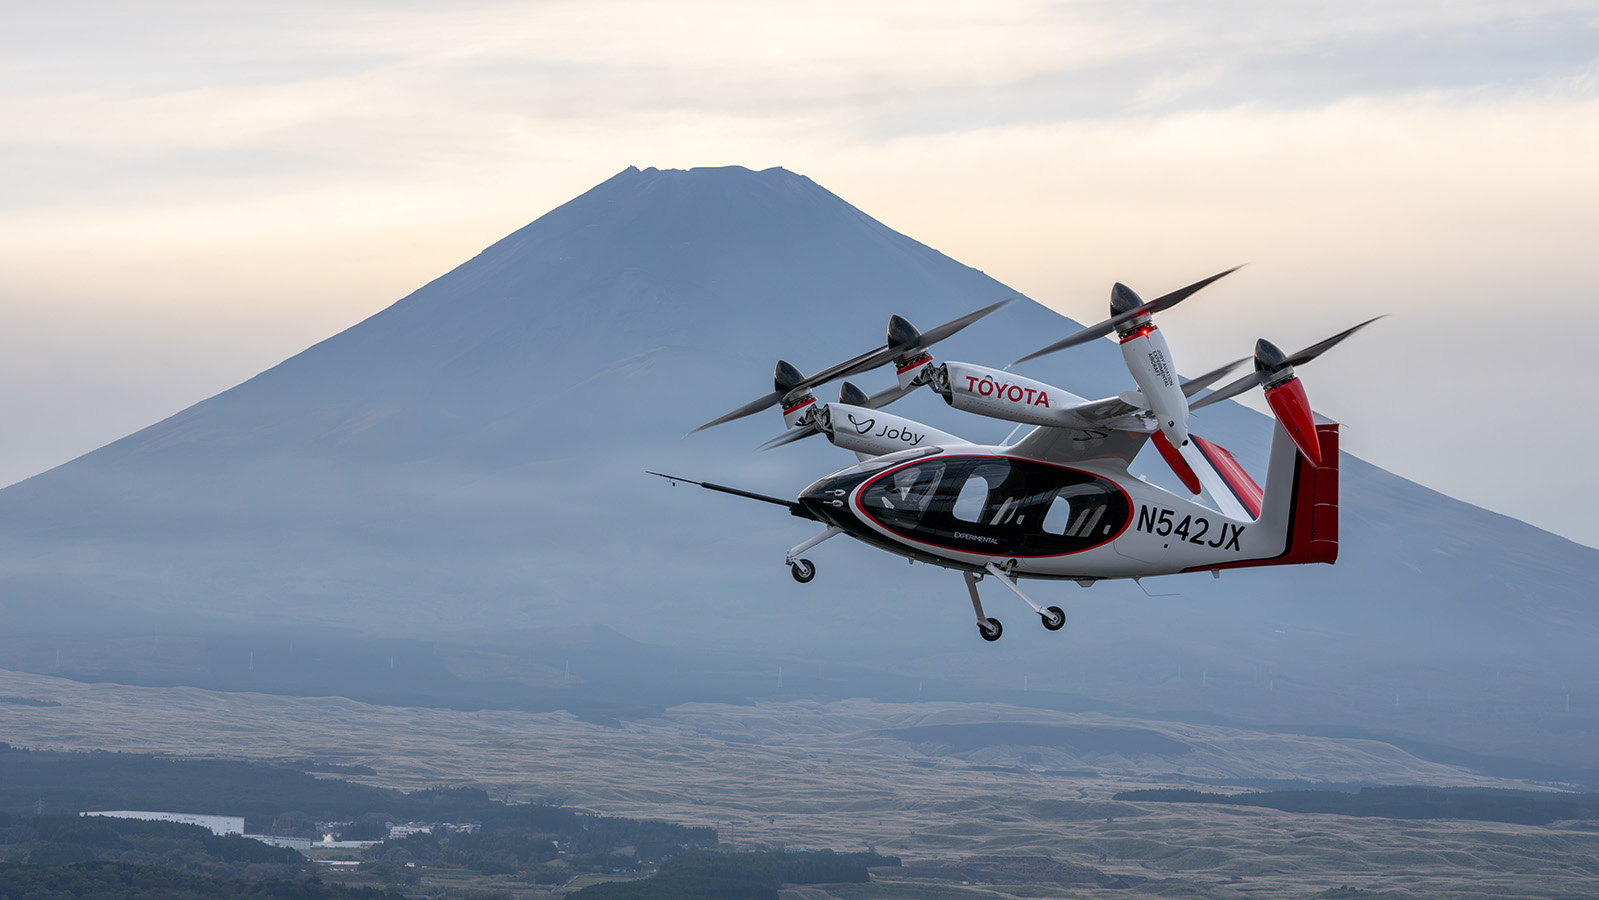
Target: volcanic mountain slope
column 468, row 465
column 485, row 438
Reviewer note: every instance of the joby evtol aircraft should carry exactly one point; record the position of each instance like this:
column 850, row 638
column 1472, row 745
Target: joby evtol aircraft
column 1059, row 503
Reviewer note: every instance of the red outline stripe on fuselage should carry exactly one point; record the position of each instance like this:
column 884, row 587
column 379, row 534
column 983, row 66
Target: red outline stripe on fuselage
column 872, row 521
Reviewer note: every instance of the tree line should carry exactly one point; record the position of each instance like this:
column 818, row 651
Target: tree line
column 124, row 881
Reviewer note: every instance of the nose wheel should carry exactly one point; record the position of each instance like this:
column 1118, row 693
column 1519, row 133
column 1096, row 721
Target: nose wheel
column 990, row 629
column 804, row 570
column 1054, row 618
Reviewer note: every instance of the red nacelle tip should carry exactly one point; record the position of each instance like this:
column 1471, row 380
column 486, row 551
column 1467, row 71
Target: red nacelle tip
column 1292, row 407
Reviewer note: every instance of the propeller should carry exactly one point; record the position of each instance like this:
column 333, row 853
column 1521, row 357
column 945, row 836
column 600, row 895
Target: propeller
column 849, row 395
column 904, row 343
column 1272, row 365
column 1285, row 393
column 1125, row 307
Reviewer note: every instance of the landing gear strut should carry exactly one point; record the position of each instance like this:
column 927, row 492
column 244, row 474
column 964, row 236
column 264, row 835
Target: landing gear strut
column 990, row 629
column 804, row 570
column 1053, row 617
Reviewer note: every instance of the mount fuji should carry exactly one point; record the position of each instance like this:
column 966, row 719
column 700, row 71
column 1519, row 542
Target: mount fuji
column 468, row 465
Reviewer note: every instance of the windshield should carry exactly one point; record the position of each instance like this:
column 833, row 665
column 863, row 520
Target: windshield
column 998, row 505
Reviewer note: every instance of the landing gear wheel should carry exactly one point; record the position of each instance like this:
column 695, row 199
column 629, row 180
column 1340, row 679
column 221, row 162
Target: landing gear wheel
column 991, row 630
column 802, row 570
column 1054, row 618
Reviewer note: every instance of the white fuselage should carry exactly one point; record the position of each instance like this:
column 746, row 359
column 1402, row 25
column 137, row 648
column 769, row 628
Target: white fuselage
column 967, row 506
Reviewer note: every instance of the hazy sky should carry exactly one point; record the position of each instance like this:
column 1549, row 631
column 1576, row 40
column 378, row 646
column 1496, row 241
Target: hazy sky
column 192, row 191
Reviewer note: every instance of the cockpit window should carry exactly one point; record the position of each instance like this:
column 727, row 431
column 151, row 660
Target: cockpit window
column 1076, row 511
column 899, row 498
column 982, row 503
column 972, row 503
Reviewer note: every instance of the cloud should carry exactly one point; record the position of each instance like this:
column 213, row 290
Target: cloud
column 311, row 162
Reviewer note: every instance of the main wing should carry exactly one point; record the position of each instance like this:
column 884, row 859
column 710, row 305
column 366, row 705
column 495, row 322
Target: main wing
column 1112, row 429
column 1069, row 446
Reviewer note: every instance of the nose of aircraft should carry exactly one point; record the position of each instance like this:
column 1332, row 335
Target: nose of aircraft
column 829, row 497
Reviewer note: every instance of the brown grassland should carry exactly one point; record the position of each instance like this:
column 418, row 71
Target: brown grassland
column 971, row 796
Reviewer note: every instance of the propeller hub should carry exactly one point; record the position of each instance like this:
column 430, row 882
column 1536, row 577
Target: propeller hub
column 850, row 395
column 902, row 334
column 1124, row 299
column 1267, row 357
column 1272, row 363
column 785, row 377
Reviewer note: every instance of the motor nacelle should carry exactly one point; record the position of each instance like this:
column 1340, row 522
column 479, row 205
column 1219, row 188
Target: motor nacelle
column 908, row 365
column 874, row 432
column 798, row 401
column 1286, row 396
column 1001, row 395
column 1149, row 361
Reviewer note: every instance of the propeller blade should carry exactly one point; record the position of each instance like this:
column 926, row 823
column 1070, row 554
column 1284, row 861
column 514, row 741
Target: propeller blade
column 748, row 409
column 886, row 396
column 874, row 358
column 868, row 360
column 1194, row 385
column 871, row 359
column 951, row 328
column 790, row 436
column 1094, row 332
column 1090, row 333
column 1315, row 350
column 1260, row 376
column 1231, row 390
column 1167, row 301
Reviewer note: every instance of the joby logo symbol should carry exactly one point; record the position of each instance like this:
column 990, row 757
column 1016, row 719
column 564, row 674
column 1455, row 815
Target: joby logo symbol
column 862, row 427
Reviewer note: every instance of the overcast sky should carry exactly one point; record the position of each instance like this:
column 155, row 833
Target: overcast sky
column 192, row 191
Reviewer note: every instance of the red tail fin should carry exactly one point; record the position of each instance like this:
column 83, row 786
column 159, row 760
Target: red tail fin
column 1308, row 512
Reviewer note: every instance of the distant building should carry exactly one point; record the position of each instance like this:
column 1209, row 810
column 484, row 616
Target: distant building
column 329, row 843
column 292, row 843
column 397, row 832
column 216, row 824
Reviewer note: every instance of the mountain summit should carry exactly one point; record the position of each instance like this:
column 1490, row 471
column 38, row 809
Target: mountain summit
column 485, row 437
column 468, row 465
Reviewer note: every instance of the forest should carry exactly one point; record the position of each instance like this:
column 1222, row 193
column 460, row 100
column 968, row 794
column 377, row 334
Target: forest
column 123, row 881
column 41, row 793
